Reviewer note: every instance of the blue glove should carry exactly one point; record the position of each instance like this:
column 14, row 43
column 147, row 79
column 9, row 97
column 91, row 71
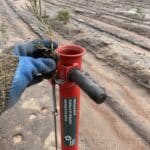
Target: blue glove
column 29, row 70
column 30, row 48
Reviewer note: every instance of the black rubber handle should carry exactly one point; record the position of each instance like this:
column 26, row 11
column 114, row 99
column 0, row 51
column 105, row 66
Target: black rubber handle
column 97, row 93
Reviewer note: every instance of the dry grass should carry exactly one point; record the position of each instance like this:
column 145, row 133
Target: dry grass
column 3, row 31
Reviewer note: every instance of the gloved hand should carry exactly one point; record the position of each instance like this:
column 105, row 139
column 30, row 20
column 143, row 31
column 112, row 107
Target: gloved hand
column 29, row 69
column 32, row 49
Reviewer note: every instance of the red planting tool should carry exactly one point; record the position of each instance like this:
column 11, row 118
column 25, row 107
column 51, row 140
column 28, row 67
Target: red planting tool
column 70, row 79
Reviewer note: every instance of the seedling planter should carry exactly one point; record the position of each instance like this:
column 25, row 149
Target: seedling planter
column 70, row 57
column 70, row 79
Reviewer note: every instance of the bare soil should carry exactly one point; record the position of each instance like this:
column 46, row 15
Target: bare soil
column 118, row 58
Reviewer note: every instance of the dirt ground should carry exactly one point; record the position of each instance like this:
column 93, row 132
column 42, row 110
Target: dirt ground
column 116, row 35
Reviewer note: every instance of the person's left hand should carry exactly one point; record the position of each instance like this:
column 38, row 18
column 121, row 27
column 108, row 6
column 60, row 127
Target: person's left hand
column 31, row 49
column 30, row 68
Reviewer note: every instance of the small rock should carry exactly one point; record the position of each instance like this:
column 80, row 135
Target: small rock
column 18, row 138
column 32, row 116
column 18, row 128
column 44, row 110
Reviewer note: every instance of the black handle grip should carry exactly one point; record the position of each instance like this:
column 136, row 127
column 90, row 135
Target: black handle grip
column 97, row 93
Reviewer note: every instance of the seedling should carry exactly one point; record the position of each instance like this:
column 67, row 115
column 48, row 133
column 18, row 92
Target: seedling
column 40, row 13
column 35, row 6
column 63, row 16
column 140, row 13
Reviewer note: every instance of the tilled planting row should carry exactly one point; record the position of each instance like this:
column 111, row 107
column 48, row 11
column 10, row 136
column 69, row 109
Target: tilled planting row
column 120, row 57
column 123, row 19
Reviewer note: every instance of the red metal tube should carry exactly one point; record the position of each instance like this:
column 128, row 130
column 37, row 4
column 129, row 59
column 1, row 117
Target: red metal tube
column 70, row 56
